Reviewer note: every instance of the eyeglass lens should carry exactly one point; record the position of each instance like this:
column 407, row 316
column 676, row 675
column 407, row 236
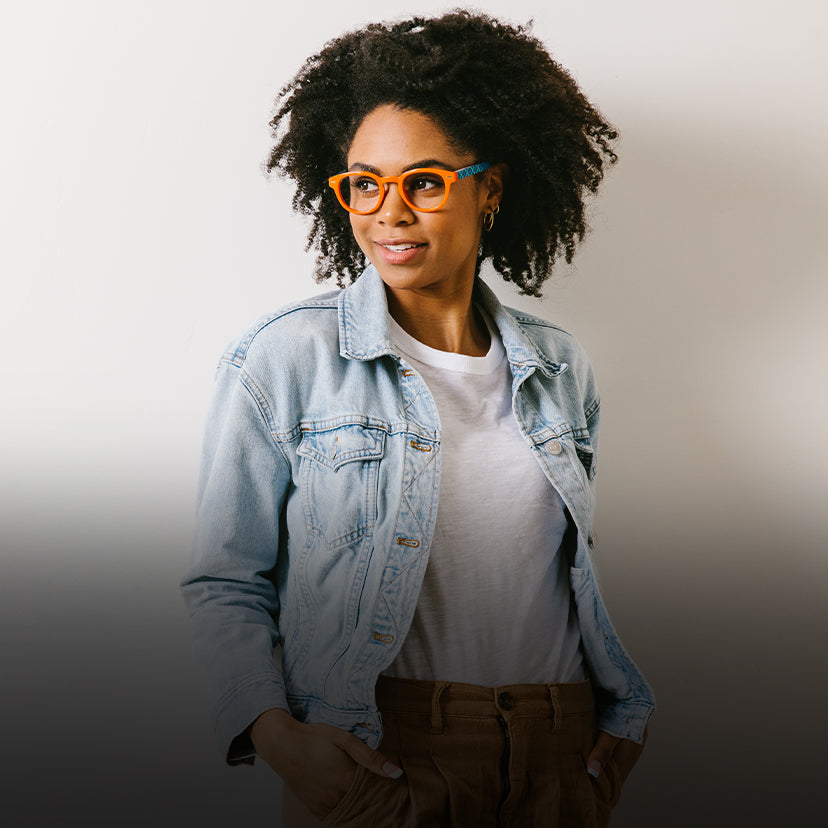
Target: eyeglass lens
column 363, row 191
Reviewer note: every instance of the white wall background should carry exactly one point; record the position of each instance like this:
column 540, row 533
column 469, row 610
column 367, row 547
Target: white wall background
column 139, row 235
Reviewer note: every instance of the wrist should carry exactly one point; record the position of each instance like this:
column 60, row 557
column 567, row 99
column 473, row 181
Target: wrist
column 271, row 734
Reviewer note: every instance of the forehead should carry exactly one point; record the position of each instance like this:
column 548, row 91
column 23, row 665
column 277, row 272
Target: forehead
column 390, row 136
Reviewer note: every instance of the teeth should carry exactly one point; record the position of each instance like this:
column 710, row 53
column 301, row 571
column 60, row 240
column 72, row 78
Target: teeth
column 398, row 248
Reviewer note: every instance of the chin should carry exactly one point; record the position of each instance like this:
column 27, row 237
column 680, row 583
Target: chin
column 399, row 276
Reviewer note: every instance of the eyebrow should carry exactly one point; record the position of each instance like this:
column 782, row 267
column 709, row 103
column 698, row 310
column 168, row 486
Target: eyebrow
column 427, row 162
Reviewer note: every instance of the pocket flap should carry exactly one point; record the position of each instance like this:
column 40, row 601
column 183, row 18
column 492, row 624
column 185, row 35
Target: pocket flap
column 337, row 446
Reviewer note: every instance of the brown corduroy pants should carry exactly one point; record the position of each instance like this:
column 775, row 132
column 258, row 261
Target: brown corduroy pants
column 481, row 757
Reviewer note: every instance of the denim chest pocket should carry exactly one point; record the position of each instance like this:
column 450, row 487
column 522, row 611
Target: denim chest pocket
column 339, row 474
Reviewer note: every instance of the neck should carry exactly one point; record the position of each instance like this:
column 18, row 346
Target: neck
column 446, row 322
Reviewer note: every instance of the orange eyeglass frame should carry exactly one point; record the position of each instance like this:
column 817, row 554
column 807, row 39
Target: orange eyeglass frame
column 448, row 176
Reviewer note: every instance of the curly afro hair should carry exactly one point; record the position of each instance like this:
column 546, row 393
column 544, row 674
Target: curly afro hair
column 494, row 91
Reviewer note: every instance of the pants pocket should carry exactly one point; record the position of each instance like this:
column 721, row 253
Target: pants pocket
column 607, row 787
column 627, row 753
column 611, row 780
column 342, row 811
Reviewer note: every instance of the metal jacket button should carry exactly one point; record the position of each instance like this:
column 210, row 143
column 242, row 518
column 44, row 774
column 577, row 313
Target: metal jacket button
column 553, row 447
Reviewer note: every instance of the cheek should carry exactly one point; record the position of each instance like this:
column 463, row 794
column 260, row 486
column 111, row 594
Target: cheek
column 468, row 226
column 358, row 229
column 468, row 216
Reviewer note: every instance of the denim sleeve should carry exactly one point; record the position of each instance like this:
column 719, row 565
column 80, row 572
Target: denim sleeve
column 229, row 588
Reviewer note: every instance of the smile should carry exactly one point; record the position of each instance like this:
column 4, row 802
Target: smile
column 398, row 248
column 400, row 252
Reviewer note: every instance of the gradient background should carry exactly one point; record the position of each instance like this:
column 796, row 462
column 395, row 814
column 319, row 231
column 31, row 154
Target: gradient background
column 139, row 236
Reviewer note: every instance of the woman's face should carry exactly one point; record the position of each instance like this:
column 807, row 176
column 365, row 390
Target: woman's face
column 433, row 253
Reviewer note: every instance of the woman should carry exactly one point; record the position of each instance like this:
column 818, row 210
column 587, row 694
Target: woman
column 392, row 587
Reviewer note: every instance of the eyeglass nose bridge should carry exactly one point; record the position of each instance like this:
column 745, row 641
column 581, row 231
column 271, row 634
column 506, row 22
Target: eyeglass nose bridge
column 385, row 184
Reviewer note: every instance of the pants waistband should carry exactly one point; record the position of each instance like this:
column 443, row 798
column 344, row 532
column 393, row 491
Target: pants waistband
column 443, row 698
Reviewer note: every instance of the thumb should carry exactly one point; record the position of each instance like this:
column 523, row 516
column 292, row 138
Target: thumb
column 601, row 753
column 362, row 754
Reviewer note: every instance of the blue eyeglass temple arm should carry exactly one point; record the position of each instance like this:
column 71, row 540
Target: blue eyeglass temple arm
column 472, row 170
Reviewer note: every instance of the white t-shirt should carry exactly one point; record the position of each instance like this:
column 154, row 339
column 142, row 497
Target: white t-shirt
column 495, row 605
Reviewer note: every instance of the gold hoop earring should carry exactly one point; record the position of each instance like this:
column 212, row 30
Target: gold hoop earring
column 488, row 219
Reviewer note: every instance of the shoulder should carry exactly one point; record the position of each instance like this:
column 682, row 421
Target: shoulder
column 542, row 330
column 553, row 343
column 309, row 323
column 529, row 337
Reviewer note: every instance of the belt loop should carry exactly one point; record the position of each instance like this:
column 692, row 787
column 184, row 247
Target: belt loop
column 555, row 699
column 436, row 713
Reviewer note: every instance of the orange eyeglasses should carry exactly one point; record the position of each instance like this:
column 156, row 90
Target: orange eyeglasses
column 426, row 189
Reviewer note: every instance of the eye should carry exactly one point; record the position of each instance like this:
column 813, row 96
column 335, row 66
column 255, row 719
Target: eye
column 423, row 182
column 364, row 185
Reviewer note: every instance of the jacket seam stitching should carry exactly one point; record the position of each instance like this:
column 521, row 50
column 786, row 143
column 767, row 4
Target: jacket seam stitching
column 539, row 323
column 264, row 411
column 238, row 355
column 257, row 678
column 592, row 408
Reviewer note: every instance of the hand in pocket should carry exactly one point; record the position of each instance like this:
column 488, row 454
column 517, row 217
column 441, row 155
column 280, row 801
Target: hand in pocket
column 318, row 762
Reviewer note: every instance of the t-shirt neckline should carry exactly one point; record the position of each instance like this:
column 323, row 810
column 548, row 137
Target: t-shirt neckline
column 448, row 360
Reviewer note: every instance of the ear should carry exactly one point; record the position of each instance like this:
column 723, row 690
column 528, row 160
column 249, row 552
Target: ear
column 493, row 185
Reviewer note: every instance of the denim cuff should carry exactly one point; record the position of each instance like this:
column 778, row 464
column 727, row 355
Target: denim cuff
column 240, row 711
column 625, row 720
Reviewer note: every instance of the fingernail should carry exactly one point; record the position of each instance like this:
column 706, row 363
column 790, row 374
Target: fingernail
column 392, row 770
column 594, row 769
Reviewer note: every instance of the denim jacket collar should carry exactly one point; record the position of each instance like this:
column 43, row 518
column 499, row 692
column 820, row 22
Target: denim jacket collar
column 364, row 331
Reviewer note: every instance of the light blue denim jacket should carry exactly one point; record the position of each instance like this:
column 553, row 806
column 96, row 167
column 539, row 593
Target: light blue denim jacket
column 317, row 501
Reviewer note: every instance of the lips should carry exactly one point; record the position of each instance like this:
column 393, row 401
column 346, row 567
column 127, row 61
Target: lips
column 399, row 251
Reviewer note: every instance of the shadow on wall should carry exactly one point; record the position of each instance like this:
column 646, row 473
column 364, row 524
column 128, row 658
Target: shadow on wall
column 703, row 299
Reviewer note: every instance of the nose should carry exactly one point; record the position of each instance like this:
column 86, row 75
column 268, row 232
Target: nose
column 393, row 210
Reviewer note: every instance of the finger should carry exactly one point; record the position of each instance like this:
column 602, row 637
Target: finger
column 601, row 753
column 364, row 755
